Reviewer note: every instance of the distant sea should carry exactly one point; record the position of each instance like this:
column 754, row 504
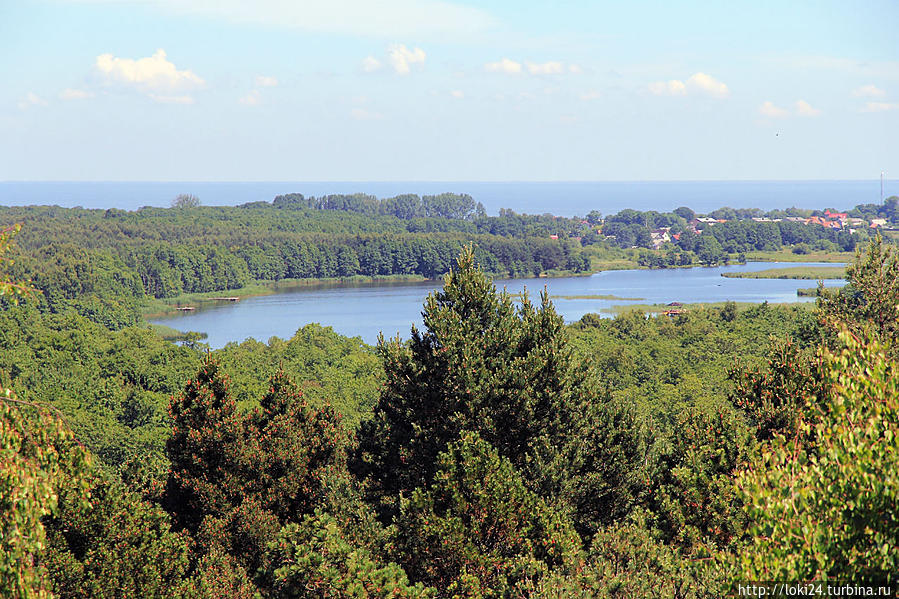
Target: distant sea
column 565, row 198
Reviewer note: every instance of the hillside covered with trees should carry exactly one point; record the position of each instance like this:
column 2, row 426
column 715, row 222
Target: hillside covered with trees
column 496, row 453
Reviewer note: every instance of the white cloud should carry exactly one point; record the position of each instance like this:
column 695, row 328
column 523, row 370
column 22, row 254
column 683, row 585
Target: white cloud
column 75, row 94
column 172, row 99
column 770, row 110
column 370, row 64
column 153, row 74
column 402, row 58
column 360, row 114
column 698, row 82
column 708, row 85
column 880, row 106
column 868, row 91
column 265, row 81
column 457, row 93
column 31, row 99
column 591, row 95
column 251, row 99
column 383, row 19
column 803, row 108
column 505, row 65
column 545, row 68
column 513, row 67
column 668, row 88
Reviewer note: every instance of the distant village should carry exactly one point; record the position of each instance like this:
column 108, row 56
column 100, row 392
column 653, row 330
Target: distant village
column 672, row 232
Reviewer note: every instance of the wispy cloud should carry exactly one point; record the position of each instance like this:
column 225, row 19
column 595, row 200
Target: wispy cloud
column 504, row 65
column 708, row 85
column 697, row 83
column 668, row 88
column 402, row 58
column 768, row 109
column 545, row 68
column 868, row 91
column 153, row 75
column 514, row 67
column 361, row 114
column 251, row 99
column 265, row 81
column 880, row 106
column 370, row 64
column 383, row 19
column 75, row 94
column 31, row 99
column 803, row 108
column 457, row 93
column 591, row 95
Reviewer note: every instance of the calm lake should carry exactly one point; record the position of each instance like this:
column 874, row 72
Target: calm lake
column 391, row 308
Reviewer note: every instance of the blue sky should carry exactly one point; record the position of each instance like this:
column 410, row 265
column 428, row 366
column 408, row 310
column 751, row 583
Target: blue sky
column 318, row 90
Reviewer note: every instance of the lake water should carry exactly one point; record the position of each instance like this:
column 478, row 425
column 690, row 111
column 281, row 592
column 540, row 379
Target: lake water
column 391, row 308
column 563, row 198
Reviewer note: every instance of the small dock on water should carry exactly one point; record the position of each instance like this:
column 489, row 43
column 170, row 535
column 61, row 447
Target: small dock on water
column 225, row 299
column 185, row 308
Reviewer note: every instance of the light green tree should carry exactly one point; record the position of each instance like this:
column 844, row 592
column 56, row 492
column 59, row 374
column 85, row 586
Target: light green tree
column 823, row 502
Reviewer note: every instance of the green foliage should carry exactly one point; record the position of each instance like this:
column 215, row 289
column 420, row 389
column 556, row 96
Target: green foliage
column 318, row 559
column 611, row 466
column 775, row 397
column 10, row 289
column 477, row 531
column 328, row 368
column 870, row 300
column 37, row 461
column 236, row 478
column 114, row 545
column 693, row 497
column 626, row 561
column 203, row 449
column 112, row 386
column 484, row 366
column 829, row 511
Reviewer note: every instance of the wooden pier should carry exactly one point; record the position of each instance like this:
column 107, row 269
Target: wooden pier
column 226, row 299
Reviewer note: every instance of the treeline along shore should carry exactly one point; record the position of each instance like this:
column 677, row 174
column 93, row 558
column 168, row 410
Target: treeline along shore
column 115, row 262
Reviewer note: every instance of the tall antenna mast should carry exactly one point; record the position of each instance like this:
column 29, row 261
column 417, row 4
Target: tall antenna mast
column 881, row 187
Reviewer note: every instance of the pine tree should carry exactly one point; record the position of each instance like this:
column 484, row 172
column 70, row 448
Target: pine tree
column 204, row 449
column 478, row 529
column 481, row 365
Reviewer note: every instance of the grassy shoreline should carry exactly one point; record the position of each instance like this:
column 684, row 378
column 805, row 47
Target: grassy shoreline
column 659, row 308
column 164, row 307
column 793, row 272
column 787, row 255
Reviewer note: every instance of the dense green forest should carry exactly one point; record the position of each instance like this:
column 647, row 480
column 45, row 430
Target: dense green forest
column 496, row 453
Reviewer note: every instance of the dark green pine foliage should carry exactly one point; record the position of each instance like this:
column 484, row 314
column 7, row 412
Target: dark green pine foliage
column 204, row 449
column 480, row 365
column 775, row 397
column 115, row 545
column 321, row 559
column 610, row 467
column 692, row 493
column 478, row 531
column 237, row 479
